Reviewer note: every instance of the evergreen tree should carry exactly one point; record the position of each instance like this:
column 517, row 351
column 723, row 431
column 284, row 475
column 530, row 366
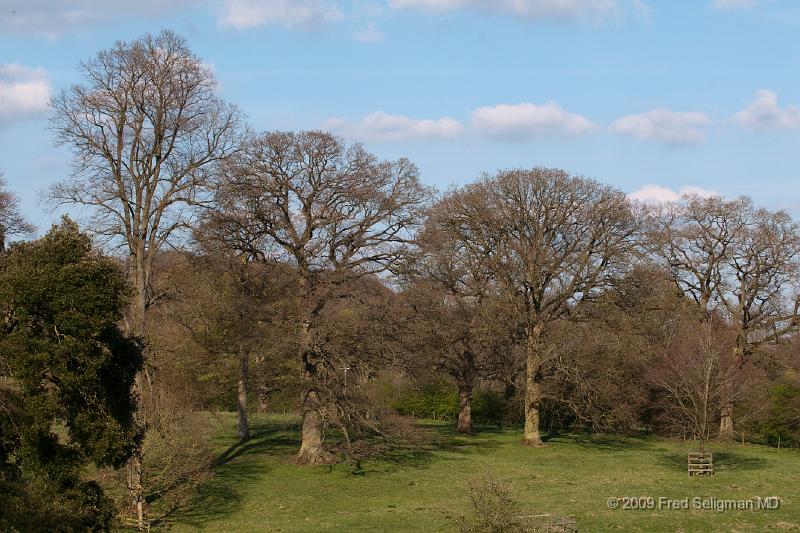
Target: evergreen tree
column 66, row 372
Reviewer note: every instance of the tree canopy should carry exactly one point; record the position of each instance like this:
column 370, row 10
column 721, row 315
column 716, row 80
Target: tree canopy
column 67, row 371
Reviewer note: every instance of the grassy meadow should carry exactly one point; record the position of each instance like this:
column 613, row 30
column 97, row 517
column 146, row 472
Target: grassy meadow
column 256, row 489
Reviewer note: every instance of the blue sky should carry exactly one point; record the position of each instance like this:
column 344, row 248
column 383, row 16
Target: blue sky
column 655, row 97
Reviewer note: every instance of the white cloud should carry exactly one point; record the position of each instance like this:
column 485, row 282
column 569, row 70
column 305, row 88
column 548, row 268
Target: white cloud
column 54, row 18
column 525, row 9
column 383, row 127
column 24, row 92
column 244, row 14
column 529, row 120
column 659, row 194
column 734, row 4
column 764, row 113
column 662, row 124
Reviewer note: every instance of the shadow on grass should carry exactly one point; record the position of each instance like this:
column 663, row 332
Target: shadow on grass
column 600, row 441
column 723, row 461
column 738, row 461
column 265, row 439
column 236, row 468
column 437, row 439
column 219, row 497
column 240, row 464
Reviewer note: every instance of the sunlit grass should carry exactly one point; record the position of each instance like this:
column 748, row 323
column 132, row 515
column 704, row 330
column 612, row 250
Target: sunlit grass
column 256, row 489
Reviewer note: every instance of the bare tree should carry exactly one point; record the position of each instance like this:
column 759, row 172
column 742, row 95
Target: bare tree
column 355, row 337
column 611, row 342
column 146, row 130
column 760, row 289
column 698, row 374
column 224, row 304
column 11, row 220
column 692, row 240
column 549, row 239
column 453, row 314
column 729, row 257
column 336, row 213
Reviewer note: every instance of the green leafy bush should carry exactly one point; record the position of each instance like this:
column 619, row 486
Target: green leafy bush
column 783, row 421
column 439, row 399
column 435, row 399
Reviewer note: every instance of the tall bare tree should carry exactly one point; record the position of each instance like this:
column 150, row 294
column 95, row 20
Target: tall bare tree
column 761, row 288
column 336, row 213
column 11, row 220
column 146, row 129
column 692, row 240
column 549, row 239
column 731, row 258
column 453, row 319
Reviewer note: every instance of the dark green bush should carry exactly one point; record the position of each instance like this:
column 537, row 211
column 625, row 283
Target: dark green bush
column 439, row 399
column 491, row 407
column 435, row 399
column 783, row 421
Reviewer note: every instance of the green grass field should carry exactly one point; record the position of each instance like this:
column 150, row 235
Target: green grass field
column 255, row 489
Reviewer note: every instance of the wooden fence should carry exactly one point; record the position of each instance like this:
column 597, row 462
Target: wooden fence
column 701, row 464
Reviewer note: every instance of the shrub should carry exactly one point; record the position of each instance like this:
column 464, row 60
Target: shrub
column 493, row 507
column 440, row 400
column 782, row 424
column 435, row 399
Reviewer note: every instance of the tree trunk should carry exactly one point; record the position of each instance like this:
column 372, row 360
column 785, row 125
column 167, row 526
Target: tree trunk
column 531, row 436
column 464, row 406
column 138, row 273
column 533, row 389
column 311, row 450
column 136, row 462
column 135, row 487
column 466, row 382
column 726, row 431
column 726, row 422
column 243, row 430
